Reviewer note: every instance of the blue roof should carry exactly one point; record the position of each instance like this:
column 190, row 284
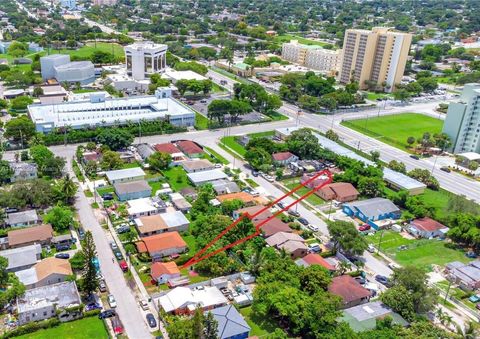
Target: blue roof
column 230, row 322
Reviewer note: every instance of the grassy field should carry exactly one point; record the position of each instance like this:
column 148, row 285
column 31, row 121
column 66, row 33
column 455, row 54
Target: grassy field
column 217, row 156
column 176, row 177
column 87, row 50
column 275, row 116
column 395, row 129
column 91, row 327
column 438, row 200
column 232, row 143
column 201, row 121
column 259, row 326
column 287, row 37
column 374, row 96
column 313, row 198
column 420, row 253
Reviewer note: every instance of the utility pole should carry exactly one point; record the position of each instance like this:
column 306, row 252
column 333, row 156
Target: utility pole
column 380, row 241
column 448, row 291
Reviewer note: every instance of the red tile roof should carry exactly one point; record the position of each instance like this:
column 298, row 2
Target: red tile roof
column 160, row 268
column 167, row 148
column 93, row 156
column 275, row 225
column 427, row 224
column 315, row 259
column 348, row 289
column 161, row 242
column 189, row 147
column 282, row 156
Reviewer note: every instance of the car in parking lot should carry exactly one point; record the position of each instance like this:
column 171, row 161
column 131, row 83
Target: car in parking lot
column 313, row 228
column 364, row 227
column 303, row 221
column 111, row 301
column 62, row 256
column 107, row 314
column 151, row 320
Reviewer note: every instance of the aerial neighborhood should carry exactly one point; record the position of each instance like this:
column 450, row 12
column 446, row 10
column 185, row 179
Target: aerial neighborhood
column 240, row 169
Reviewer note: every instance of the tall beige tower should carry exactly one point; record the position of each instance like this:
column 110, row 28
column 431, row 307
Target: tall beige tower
column 378, row 56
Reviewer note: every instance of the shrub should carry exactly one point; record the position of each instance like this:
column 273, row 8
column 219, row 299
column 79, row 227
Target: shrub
column 32, row 327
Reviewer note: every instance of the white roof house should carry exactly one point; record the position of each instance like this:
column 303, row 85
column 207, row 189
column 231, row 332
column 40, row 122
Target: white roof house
column 127, row 174
column 183, row 298
column 22, row 257
column 144, row 206
column 174, row 219
column 199, row 178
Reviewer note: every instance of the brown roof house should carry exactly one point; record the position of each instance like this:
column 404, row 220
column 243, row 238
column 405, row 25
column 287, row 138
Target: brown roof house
column 284, row 158
column 197, row 165
column 427, row 228
column 42, row 235
column 162, row 245
column 162, row 272
column 252, row 210
column 339, row 191
column 46, row 272
column 190, row 148
column 274, row 226
column 315, row 259
column 350, row 290
column 159, row 223
column 290, row 242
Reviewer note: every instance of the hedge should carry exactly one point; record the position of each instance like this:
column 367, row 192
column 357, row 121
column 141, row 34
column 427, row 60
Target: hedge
column 32, row 327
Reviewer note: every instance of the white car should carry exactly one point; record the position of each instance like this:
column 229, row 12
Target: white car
column 143, row 305
column 313, row 227
column 111, row 301
column 371, row 248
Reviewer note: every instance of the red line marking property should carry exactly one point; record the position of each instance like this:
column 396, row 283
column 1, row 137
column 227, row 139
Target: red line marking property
column 200, row 256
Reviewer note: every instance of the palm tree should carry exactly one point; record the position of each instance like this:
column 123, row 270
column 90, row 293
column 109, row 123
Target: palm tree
column 66, row 189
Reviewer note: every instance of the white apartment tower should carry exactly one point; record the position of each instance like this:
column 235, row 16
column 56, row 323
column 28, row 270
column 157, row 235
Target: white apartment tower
column 145, row 58
column 310, row 56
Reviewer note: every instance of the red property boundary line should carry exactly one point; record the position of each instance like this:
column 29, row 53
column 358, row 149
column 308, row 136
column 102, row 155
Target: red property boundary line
column 199, row 256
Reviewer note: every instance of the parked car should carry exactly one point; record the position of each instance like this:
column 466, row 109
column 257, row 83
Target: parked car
column 413, row 156
column 383, row 280
column 81, row 233
column 123, row 265
column 313, row 228
column 102, row 286
column 218, row 165
column 361, row 280
column 445, row 169
column 371, row 248
column 293, row 212
column 143, row 304
column 107, row 314
column 123, row 228
column 393, row 266
column 315, row 247
column 113, row 245
column 151, row 320
column 203, row 101
column 303, row 221
column 63, row 247
column 255, row 173
column 117, row 325
column 471, row 255
column 62, row 256
column 474, row 298
column 478, row 306
column 107, row 196
column 364, row 227
column 92, row 306
column 111, row 301
column 281, row 205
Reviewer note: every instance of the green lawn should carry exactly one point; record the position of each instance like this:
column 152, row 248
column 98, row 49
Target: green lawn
column 374, row 96
column 251, row 183
column 87, row 50
column 275, row 116
column 438, row 200
column 221, row 159
column 234, row 145
column 177, row 178
column 262, row 134
column 313, row 198
column 287, row 37
column 155, row 185
column 259, row 326
column 201, row 121
column 395, row 129
column 90, row 327
column 420, row 253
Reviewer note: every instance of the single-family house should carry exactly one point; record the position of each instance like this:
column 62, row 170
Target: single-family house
column 177, row 156
column 244, row 197
column 364, row 317
column 190, row 148
column 225, row 186
column 160, row 223
column 183, row 300
column 467, row 276
column 189, row 192
column 132, row 190
column 200, row 178
column 145, row 206
column 339, row 191
column 22, row 258
column 350, row 290
column 427, row 228
column 46, row 272
column 22, row 219
column 179, row 202
column 315, row 259
column 91, row 156
column 162, row 245
column 41, row 235
column 259, row 213
column 127, row 156
column 23, row 171
column 162, row 272
column 144, row 151
column 290, row 242
column 197, row 165
column 284, row 158
column 230, row 323
column 274, row 226
column 125, row 175
column 372, row 210
column 49, row 301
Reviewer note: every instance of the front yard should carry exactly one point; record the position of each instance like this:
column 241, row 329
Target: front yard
column 177, row 178
column 312, row 198
column 90, row 327
column 420, row 252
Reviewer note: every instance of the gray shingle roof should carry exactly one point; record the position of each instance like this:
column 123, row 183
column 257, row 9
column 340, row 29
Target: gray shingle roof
column 124, row 173
column 230, row 322
column 133, row 186
column 374, row 207
column 22, row 217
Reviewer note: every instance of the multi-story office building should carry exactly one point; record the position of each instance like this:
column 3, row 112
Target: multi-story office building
column 104, row 2
column 145, row 58
column 374, row 57
column 310, row 56
column 462, row 123
column 58, row 66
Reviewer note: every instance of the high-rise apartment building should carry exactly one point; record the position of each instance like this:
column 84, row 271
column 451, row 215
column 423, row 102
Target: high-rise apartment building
column 145, row 58
column 462, row 123
column 310, row 56
column 376, row 57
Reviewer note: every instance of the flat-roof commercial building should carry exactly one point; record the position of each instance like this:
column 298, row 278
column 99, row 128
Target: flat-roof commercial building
column 462, row 123
column 101, row 111
column 378, row 56
column 312, row 56
column 145, row 58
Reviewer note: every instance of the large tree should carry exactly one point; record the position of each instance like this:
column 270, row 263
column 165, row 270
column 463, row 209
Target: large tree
column 115, row 138
column 20, row 129
column 346, row 237
column 159, row 161
column 304, row 144
column 111, row 160
column 65, row 189
column 60, row 217
column 90, row 280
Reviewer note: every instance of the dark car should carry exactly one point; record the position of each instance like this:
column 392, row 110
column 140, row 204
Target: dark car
column 293, row 212
column 92, row 306
column 107, row 196
column 281, row 205
column 107, row 314
column 445, row 169
column 151, row 320
column 62, row 256
column 361, row 280
column 255, row 173
column 383, row 280
column 81, row 233
column 303, row 221
column 11, row 210
column 413, row 156
column 63, row 247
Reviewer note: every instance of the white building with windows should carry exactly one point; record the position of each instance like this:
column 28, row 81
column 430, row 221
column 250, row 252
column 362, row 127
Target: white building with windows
column 60, row 67
column 101, row 111
column 315, row 57
column 145, row 58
